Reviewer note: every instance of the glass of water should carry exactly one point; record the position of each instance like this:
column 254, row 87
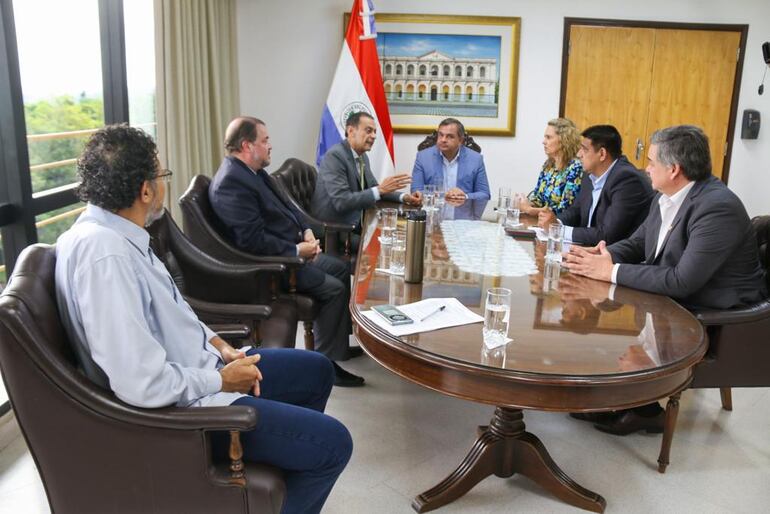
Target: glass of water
column 440, row 197
column 398, row 253
column 389, row 217
column 513, row 212
column 429, row 197
column 555, row 242
column 497, row 314
column 503, row 198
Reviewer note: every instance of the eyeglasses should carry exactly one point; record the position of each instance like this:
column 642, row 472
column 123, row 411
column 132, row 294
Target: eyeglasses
column 165, row 175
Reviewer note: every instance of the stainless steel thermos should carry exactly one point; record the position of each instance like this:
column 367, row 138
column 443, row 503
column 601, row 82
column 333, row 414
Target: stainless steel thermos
column 415, row 246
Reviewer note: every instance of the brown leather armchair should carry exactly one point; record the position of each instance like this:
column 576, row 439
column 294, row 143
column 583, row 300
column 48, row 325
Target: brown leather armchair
column 95, row 453
column 297, row 180
column 202, row 227
column 432, row 138
column 738, row 353
column 226, row 293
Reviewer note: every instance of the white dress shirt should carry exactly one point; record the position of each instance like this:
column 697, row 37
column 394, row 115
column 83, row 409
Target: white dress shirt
column 669, row 206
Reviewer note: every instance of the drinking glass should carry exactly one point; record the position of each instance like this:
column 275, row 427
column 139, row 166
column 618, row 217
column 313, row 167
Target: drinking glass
column 513, row 212
column 429, row 197
column 398, row 253
column 497, row 314
column 503, row 198
column 389, row 217
column 555, row 241
column 439, row 197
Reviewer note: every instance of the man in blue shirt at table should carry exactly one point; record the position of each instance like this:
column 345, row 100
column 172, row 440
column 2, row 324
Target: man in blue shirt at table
column 451, row 166
column 136, row 335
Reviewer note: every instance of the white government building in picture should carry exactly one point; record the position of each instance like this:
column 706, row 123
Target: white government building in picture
column 436, row 77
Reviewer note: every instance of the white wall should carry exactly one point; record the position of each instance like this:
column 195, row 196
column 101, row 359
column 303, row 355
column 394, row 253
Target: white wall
column 288, row 51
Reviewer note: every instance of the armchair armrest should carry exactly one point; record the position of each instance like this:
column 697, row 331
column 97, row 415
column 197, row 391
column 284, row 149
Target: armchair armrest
column 229, row 310
column 757, row 312
column 232, row 331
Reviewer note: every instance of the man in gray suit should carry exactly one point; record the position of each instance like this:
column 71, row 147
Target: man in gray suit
column 346, row 185
column 697, row 246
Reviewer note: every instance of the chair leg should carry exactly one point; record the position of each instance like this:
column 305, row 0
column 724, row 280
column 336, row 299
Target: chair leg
column 309, row 339
column 672, row 411
column 727, row 398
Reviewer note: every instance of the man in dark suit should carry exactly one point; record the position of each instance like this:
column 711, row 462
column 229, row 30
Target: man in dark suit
column 696, row 246
column 259, row 220
column 614, row 200
column 346, row 185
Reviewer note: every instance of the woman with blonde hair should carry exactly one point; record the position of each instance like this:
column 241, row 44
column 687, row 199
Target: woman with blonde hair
column 559, row 181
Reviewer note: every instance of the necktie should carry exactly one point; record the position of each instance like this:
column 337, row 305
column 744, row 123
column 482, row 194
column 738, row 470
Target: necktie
column 361, row 170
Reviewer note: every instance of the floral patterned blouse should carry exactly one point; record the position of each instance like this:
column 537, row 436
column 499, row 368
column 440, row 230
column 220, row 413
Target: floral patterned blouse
column 557, row 189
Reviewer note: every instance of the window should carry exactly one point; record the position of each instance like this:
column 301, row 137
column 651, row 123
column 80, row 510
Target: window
column 458, row 71
column 388, row 69
column 399, row 70
column 434, row 71
column 446, row 71
column 469, row 72
column 410, row 70
column 61, row 84
column 482, row 72
column 423, row 70
column 140, row 64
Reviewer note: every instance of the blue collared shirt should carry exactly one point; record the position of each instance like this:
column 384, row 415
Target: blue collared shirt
column 119, row 302
column 450, row 171
column 598, row 184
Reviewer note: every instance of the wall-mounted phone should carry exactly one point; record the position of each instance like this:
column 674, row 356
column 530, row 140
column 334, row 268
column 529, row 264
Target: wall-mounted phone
column 750, row 126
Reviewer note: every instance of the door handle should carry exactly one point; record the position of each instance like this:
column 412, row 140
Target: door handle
column 639, row 148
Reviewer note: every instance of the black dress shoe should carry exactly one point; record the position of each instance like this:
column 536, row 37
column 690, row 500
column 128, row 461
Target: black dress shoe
column 344, row 378
column 355, row 351
column 629, row 421
column 593, row 417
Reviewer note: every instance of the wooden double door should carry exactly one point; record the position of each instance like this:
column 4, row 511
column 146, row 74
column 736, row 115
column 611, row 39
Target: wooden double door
column 642, row 78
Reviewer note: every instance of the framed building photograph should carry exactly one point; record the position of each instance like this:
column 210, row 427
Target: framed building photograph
column 436, row 66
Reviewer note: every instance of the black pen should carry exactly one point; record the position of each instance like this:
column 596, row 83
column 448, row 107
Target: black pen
column 434, row 312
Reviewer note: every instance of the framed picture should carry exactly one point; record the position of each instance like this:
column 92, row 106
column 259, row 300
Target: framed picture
column 434, row 67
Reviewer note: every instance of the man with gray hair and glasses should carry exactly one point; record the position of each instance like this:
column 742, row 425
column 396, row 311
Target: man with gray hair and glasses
column 697, row 246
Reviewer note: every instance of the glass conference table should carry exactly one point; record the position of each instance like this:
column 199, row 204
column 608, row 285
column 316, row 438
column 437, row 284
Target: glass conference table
column 579, row 345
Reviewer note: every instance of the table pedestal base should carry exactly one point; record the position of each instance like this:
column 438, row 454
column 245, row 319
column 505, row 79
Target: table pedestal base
column 503, row 449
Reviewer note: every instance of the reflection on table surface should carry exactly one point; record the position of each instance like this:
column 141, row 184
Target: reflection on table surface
column 561, row 324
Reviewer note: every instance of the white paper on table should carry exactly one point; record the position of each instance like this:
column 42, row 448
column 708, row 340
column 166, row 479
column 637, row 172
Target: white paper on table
column 453, row 315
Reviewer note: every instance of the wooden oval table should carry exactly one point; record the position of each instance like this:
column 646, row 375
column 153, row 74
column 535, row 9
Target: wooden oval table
column 578, row 345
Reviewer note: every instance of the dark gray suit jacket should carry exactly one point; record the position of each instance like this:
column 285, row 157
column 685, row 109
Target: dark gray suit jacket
column 623, row 205
column 709, row 258
column 338, row 194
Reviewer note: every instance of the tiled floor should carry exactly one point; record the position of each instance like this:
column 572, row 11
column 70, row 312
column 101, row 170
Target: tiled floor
column 408, row 438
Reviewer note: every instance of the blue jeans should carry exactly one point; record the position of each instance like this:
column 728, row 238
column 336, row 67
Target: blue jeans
column 292, row 431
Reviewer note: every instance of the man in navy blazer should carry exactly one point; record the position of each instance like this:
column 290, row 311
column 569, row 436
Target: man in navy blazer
column 615, row 196
column 451, row 165
column 697, row 246
column 259, row 220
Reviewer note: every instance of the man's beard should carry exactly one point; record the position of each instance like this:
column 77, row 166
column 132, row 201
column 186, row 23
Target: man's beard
column 154, row 215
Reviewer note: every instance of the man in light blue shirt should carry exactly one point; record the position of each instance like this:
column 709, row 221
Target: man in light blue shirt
column 135, row 334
